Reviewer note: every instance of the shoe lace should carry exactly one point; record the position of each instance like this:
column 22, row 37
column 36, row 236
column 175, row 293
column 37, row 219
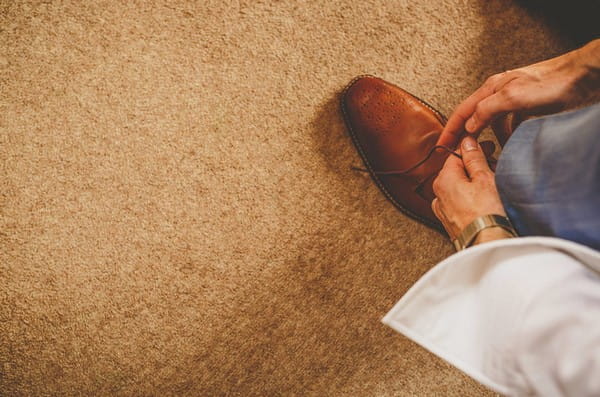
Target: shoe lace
column 413, row 167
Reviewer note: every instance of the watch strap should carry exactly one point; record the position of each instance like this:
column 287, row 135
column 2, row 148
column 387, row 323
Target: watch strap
column 470, row 232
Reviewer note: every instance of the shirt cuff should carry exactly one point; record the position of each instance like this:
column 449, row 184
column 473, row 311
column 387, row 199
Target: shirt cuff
column 469, row 308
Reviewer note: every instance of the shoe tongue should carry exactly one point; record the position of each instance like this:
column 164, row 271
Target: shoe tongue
column 434, row 163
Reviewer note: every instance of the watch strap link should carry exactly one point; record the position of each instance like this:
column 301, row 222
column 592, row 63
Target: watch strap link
column 470, row 232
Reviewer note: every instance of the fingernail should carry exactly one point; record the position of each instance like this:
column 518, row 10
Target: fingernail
column 469, row 144
column 470, row 126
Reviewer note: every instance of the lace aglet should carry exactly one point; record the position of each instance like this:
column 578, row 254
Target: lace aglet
column 360, row 169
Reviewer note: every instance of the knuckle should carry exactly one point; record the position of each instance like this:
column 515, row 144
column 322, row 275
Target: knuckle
column 471, row 163
column 435, row 186
column 493, row 79
column 510, row 96
column 488, row 177
column 482, row 175
column 436, row 208
column 480, row 111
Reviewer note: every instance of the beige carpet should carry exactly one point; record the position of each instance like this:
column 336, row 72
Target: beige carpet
column 177, row 211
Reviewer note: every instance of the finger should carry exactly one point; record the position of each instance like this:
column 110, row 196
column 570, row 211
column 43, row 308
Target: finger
column 455, row 127
column 473, row 158
column 452, row 172
column 454, row 169
column 494, row 106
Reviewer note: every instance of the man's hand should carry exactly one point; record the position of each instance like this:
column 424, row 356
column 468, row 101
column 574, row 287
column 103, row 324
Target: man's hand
column 547, row 87
column 465, row 189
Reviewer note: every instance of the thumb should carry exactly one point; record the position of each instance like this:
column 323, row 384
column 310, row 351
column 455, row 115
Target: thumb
column 473, row 158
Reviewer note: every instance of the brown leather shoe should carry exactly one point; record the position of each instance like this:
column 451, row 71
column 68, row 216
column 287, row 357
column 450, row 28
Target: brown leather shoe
column 394, row 131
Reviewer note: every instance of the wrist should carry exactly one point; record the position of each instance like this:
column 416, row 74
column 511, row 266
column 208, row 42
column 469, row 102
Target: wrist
column 477, row 231
column 588, row 60
column 590, row 54
column 491, row 234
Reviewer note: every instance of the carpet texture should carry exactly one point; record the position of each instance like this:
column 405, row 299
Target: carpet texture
column 178, row 215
